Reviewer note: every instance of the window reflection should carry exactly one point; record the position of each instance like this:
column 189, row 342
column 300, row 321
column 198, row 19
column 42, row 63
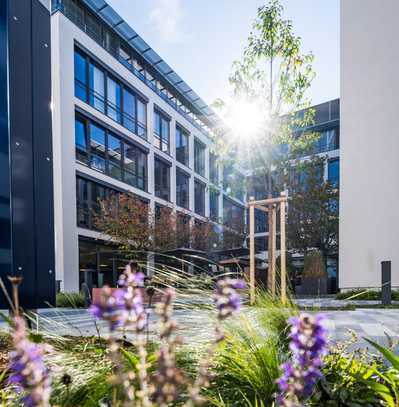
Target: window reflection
column 104, row 151
column 90, row 87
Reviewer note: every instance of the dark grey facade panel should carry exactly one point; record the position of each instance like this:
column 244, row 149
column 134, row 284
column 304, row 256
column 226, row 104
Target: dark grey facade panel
column 42, row 151
column 5, row 213
column 29, row 151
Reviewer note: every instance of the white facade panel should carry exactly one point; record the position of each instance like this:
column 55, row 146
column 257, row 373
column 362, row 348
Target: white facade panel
column 369, row 219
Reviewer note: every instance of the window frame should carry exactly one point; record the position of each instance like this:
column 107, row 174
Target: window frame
column 139, row 128
column 183, row 133
column 162, row 187
column 180, row 173
column 203, row 198
column 214, row 217
column 199, row 168
column 159, row 138
column 329, row 162
column 123, row 144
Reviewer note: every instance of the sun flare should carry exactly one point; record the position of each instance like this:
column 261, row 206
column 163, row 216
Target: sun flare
column 245, row 119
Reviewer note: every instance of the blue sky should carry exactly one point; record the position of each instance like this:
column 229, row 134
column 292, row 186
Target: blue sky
column 200, row 39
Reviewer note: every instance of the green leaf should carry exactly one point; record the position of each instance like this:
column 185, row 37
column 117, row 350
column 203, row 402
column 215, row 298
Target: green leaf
column 131, row 358
column 6, row 319
column 390, row 356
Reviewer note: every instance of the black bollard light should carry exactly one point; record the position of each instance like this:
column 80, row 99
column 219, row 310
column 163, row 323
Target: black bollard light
column 386, row 294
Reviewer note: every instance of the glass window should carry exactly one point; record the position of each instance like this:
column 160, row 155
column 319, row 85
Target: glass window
column 124, row 55
column 141, row 170
column 134, row 114
column 114, row 157
column 106, row 152
column 130, row 158
column 82, row 205
column 161, row 132
column 97, row 194
column 233, row 214
column 135, row 166
column 162, row 180
column 81, row 143
column 199, row 198
column 112, row 43
column 182, row 154
column 182, row 189
column 80, row 76
column 141, row 118
column 328, row 140
column 199, row 158
column 97, row 94
column 333, row 172
column 213, row 169
column 97, row 144
column 94, row 28
column 165, row 135
column 183, row 231
column 114, row 100
column 214, row 205
column 89, row 195
column 129, row 110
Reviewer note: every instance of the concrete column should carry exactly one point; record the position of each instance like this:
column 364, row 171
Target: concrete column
column 66, row 246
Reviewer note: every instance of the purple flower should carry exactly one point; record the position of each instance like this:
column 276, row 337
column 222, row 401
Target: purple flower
column 131, row 277
column 226, row 298
column 110, row 307
column 134, row 311
column 29, row 374
column 123, row 306
column 308, row 344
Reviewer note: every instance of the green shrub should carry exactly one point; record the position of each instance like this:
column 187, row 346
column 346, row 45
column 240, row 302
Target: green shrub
column 369, row 295
column 247, row 365
column 356, row 379
column 70, row 300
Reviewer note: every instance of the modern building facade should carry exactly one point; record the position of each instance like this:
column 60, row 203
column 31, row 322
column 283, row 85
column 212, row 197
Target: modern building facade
column 326, row 123
column 123, row 121
column 369, row 220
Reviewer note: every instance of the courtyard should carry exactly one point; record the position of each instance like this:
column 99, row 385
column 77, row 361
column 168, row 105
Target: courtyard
column 197, row 203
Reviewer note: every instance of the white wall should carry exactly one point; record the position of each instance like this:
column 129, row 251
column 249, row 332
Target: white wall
column 369, row 215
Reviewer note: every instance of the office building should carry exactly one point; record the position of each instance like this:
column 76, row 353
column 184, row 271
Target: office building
column 123, row 121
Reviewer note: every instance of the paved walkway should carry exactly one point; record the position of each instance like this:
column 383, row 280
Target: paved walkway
column 195, row 325
column 374, row 324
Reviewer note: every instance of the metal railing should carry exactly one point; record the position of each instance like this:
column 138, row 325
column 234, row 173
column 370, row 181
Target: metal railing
column 70, row 12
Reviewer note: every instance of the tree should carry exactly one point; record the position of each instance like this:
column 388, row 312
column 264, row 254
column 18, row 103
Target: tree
column 269, row 85
column 129, row 222
column 234, row 231
column 272, row 77
column 313, row 218
column 203, row 236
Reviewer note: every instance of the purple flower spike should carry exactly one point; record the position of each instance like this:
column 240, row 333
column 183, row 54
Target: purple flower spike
column 29, row 375
column 308, row 344
column 123, row 307
column 226, row 298
column 131, row 278
column 110, row 307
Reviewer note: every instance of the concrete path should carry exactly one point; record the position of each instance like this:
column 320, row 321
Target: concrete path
column 195, row 325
